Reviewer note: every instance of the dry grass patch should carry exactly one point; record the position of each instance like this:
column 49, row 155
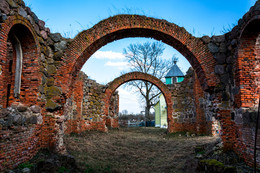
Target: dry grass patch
column 134, row 150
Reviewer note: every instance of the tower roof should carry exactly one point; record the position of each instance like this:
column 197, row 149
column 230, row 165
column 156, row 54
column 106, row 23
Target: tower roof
column 174, row 71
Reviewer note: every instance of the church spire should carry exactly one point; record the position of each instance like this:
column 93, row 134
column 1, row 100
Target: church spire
column 174, row 75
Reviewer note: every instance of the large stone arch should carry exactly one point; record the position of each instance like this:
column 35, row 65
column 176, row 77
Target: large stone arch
column 123, row 26
column 16, row 31
column 112, row 86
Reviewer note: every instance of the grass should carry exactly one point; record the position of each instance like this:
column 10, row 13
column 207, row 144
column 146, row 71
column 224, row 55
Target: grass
column 25, row 165
column 134, row 150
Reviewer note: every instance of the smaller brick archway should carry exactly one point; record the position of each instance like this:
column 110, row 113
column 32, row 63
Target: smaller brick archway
column 112, row 86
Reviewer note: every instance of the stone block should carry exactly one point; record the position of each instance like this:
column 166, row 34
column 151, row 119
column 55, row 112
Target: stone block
column 41, row 25
column 3, row 17
column 39, row 119
column 4, row 6
column 213, row 47
column 4, row 113
column 22, row 108
column 56, row 37
column 205, row 39
column 33, row 120
column 12, row 4
column 35, row 109
column 57, row 55
column 220, row 58
column 219, row 38
column 219, row 69
column 60, row 46
column 224, row 78
column 44, row 34
column 51, row 106
column 17, row 119
column 51, row 69
column 35, row 18
column 22, row 12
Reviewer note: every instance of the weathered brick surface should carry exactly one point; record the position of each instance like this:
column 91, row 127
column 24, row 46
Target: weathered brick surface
column 112, row 118
column 189, row 105
column 227, row 68
column 240, row 98
column 248, row 66
column 19, row 142
column 20, row 134
column 86, row 107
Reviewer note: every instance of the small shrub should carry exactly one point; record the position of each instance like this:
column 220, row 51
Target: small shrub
column 89, row 169
column 213, row 162
column 63, row 169
column 199, row 150
column 25, row 165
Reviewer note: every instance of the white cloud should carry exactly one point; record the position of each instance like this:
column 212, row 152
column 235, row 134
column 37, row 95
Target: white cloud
column 108, row 55
column 116, row 64
column 120, row 65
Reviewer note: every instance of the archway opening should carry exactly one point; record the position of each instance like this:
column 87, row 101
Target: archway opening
column 132, row 111
column 187, row 116
column 20, row 69
column 112, row 86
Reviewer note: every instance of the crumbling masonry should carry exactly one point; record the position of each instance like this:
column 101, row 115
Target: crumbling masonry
column 43, row 94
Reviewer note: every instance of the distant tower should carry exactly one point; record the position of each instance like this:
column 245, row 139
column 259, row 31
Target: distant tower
column 175, row 75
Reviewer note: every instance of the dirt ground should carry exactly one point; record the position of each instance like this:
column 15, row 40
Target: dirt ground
column 135, row 150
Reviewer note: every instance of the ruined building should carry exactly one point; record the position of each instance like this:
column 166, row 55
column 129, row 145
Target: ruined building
column 40, row 74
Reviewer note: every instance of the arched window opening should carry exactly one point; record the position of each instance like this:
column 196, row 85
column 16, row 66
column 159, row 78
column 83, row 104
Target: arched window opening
column 248, row 67
column 18, row 67
column 14, row 66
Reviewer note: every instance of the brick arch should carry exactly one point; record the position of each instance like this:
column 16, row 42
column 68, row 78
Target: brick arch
column 123, row 26
column 112, row 86
column 30, row 78
column 248, row 64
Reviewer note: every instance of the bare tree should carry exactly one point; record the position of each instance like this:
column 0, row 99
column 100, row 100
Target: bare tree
column 147, row 58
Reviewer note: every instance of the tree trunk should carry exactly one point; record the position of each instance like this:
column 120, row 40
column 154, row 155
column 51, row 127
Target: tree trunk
column 147, row 110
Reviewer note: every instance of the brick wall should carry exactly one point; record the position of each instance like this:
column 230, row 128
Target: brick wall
column 86, row 107
column 190, row 109
column 20, row 134
column 22, row 130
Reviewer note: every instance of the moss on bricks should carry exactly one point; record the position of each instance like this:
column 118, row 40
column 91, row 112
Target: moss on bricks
column 51, row 106
column 52, row 91
column 51, row 69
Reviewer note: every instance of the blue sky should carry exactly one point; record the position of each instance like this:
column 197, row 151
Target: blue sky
column 199, row 17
